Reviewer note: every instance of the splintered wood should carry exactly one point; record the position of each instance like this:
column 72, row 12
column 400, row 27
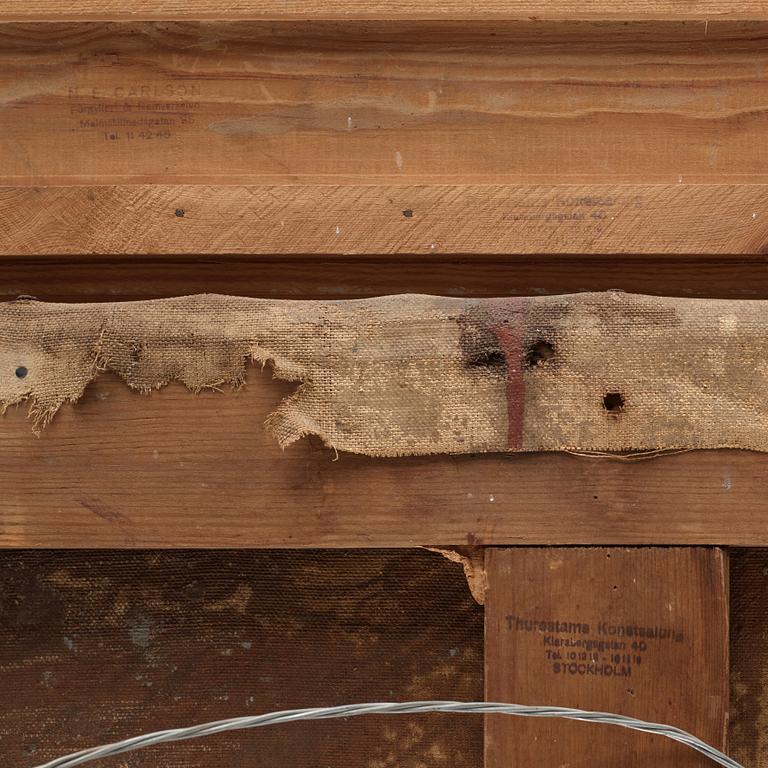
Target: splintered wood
column 640, row 632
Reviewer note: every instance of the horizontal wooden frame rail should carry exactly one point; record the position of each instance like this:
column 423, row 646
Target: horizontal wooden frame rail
column 334, row 276
column 177, row 470
column 104, row 10
column 386, row 103
column 425, row 220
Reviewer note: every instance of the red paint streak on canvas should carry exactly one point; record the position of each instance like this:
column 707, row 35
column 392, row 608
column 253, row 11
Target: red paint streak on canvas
column 508, row 323
column 510, row 340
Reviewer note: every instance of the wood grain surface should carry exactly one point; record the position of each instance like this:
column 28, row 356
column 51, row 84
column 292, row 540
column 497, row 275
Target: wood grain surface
column 372, row 220
column 73, row 279
column 696, row 10
column 639, row 632
column 173, row 469
column 384, row 102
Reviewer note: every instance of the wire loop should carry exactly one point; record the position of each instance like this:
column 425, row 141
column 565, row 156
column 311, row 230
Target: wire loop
column 412, row 707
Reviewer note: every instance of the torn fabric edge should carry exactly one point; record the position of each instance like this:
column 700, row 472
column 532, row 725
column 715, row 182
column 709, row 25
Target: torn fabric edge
column 414, row 375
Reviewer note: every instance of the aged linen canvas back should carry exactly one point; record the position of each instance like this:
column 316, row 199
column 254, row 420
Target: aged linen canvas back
column 413, row 374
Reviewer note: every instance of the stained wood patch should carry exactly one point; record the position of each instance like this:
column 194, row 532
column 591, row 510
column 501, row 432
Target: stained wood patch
column 638, row 632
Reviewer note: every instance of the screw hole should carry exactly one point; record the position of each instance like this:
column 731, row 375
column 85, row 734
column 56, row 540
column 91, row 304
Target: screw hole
column 21, row 372
column 538, row 352
column 180, row 212
column 408, row 213
column 613, row 402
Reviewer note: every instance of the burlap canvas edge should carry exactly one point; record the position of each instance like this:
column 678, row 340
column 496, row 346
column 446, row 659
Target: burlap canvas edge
column 213, row 347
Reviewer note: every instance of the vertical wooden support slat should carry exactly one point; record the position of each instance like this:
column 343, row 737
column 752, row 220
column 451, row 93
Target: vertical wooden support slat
column 641, row 632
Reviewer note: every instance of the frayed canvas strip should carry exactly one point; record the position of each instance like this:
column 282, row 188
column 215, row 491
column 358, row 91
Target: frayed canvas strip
column 597, row 374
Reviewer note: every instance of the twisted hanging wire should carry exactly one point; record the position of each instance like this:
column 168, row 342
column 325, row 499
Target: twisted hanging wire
column 413, row 707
